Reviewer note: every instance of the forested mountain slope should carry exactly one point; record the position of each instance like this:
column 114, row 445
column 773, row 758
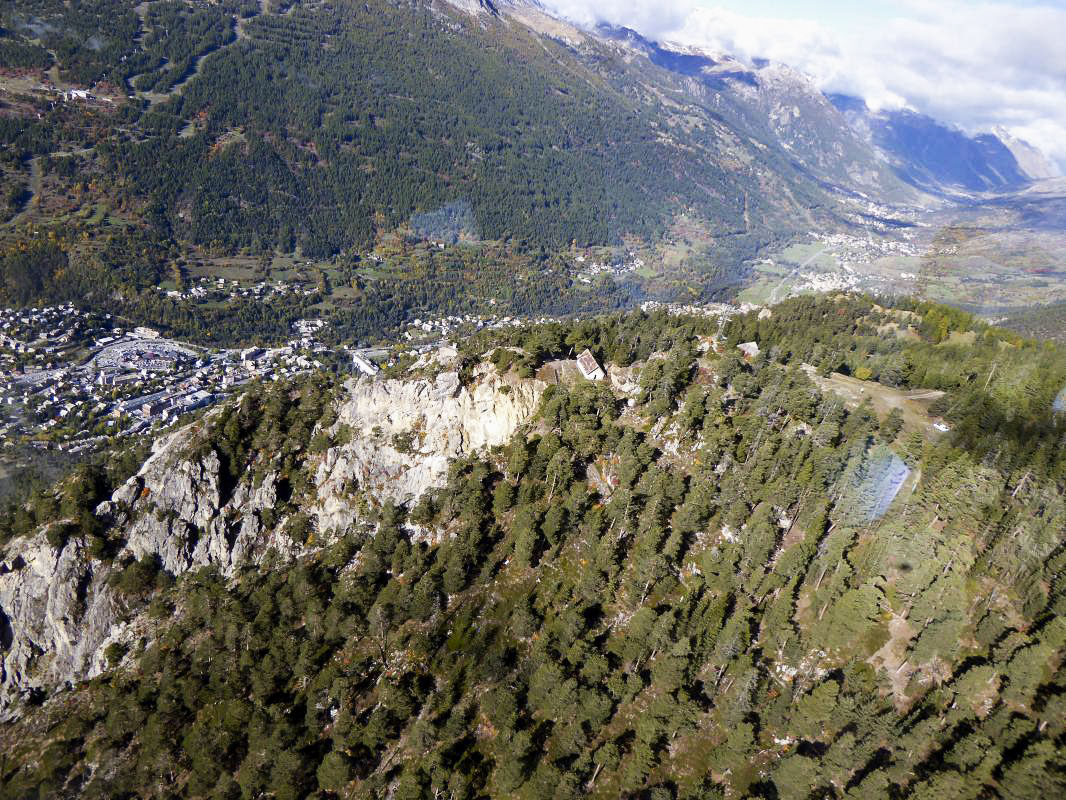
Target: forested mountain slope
column 331, row 121
column 145, row 147
column 704, row 577
column 781, row 105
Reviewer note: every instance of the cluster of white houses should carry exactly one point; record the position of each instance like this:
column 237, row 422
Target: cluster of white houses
column 35, row 336
column 222, row 289
column 587, row 271
column 132, row 379
column 454, row 325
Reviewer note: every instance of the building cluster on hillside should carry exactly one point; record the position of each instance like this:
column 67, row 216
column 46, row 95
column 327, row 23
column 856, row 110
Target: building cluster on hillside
column 586, row 270
column 55, row 95
column 725, row 310
column 886, row 220
column 865, row 249
column 216, row 289
column 36, row 337
column 277, row 363
column 446, row 326
column 118, row 382
column 848, row 255
column 308, row 327
column 464, row 323
column 846, row 279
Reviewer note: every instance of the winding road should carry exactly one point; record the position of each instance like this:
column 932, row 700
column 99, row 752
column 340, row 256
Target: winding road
column 240, row 33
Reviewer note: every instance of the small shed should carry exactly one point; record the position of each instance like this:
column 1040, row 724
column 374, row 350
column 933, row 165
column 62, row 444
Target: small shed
column 365, row 365
column 589, row 367
column 749, row 349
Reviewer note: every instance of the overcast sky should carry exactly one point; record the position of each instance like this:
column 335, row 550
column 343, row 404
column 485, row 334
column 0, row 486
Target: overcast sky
column 975, row 64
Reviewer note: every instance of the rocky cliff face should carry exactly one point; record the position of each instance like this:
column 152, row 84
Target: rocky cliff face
column 174, row 508
column 404, row 433
column 58, row 610
column 55, row 612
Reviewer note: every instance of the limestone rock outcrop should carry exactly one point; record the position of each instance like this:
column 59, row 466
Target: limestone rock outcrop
column 404, row 433
column 58, row 610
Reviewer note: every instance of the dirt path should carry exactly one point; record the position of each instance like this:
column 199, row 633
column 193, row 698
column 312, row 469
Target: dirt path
column 240, row 33
column 914, row 404
column 925, row 394
column 35, row 192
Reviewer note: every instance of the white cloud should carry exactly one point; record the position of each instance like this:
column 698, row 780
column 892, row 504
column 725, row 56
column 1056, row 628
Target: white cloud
column 976, row 65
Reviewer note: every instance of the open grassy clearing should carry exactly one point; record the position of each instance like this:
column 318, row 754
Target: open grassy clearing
column 273, row 269
column 797, row 254
column 781, row 274
column 914, row 404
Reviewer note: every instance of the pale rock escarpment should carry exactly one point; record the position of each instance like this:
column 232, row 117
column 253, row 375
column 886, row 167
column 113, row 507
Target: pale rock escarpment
column 404, row 433
column 55, row 611
column 177, row 507
column 58, row 611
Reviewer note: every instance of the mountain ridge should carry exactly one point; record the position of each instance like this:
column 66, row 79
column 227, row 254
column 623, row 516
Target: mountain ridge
column 937, row 157
column 984, row 167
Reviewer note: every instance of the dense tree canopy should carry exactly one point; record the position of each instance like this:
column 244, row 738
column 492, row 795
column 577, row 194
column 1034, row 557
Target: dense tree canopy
column 672, row 600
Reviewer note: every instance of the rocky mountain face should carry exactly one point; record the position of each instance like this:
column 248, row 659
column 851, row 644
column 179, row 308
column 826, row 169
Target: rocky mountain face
column 781, row 107
column 59, row 606
column 933, row 156
column 403, row 434
column 55, row 613
column 814, row 132
column 1030, row 160
column 493, row 6
column 896, row 156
